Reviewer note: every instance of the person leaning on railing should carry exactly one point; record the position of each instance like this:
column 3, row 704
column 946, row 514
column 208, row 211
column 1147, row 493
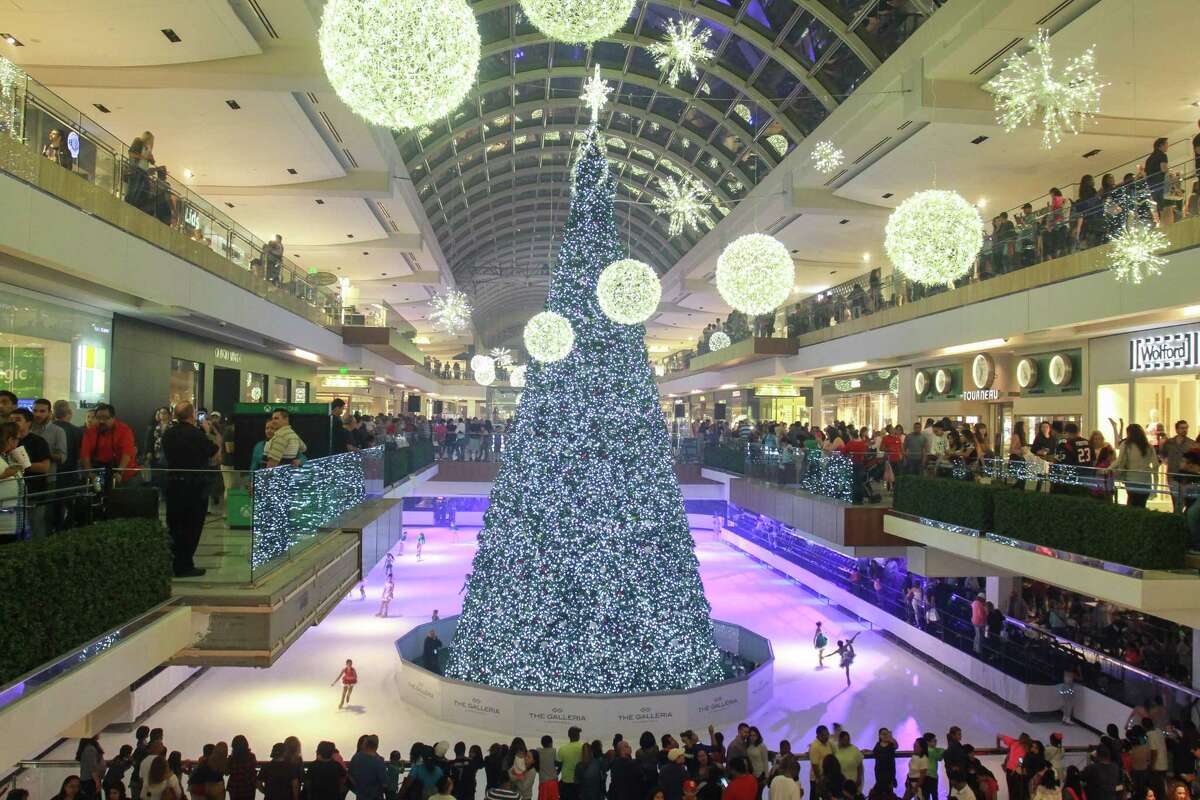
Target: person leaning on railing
column 285, row 445
column 1136, row 464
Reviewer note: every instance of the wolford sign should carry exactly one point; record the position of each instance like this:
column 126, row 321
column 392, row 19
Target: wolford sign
column 1171, row 351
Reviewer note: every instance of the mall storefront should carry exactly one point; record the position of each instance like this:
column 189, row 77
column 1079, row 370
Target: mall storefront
column 864, row 399
column 155, row 366
column 53, row 349
column 1149, row 377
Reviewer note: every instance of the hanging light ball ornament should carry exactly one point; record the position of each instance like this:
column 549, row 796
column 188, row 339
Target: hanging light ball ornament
column 577, row 21
column 755, row 273
column 400, row 63
column 516, row 377
column 486, row 377
column 628, row 291
column 934, row 237
column 718, row 341
column 549, row 337
column 482, row 363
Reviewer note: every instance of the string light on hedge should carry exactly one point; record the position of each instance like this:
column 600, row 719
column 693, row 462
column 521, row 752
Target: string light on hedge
column 628, row 291
column 549, row 337
column 934, row 237
column 1133, row 253
column 755, row 274
column 827, row 157
column 400, row 63
column 684, row 51
column 718, row 341
column 577, row 21
column 450, row 311
column 684, row 201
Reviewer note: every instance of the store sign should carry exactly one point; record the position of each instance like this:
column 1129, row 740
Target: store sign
column 1061, row 369
column 942, row 380
column 22, row 370
column 230, row 356
column 1158, row 353
column 345, row 382
column 921, row 382
column 981, row 394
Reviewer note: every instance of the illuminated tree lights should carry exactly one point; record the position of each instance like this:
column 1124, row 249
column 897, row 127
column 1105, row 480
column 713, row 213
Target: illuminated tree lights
column 718, row 341
column 451, row 312
column 826, row 157
column 934, row 237
column 585, row 547
column 628, row 291
column 400, row 63
column 577, row 21
column 1027, row 83
column 755, row 273
column 1133, row 256
column 684, row 201
column 549, row 337
column 684, row 50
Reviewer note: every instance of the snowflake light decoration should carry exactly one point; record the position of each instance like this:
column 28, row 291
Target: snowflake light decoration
column 1028, row 82
column 826, row 157
column 1134, row 254
column 934, row 237
column 683, row 201
column 577, row 21
column 755, row 273
column 549, row 336
column 502, row 356
column 451, row 312
column 595, row 93
column 718, row 341
column 628, row 291
column 400, row 63
column 516, row 376
column 684, row 50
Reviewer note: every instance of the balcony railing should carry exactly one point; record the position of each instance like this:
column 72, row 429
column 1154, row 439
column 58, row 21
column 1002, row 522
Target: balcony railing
column 29, row 112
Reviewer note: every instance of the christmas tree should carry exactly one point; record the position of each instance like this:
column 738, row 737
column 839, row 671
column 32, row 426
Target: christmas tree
column 585, row 579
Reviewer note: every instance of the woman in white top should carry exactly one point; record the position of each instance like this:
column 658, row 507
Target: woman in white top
column 786, row 784
column 10, row 481
column 1136, row 464
column 161, row 783
column 760, row 759
column 918, row 768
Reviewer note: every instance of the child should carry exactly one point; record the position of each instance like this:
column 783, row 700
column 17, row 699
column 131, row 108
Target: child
column 389, row 588
column 819, row 642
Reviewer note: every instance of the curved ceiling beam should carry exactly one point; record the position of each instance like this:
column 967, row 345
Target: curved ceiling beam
column 510, row 214
column 565, row 102
column 652, row 170
column 513, row 247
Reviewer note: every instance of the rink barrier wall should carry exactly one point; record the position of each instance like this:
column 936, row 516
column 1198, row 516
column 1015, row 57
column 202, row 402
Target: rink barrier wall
column 1091, row 708
column 529, row 714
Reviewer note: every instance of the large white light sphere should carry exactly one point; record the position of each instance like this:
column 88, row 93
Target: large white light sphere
column 628, row 291
column 482, row 363
column 485, row 377
column 577, row 21
column 516, row 377
column 755, row 273
column 549, row 336
column 400, row 63
column 718, row 341
column 934, row 237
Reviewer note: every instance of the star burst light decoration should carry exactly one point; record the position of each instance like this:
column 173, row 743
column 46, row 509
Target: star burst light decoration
column 577, row 21
column 718, row 341
column 595, row 93
column 755, row 273
column 1134, row 254
column 684, row 201
column 826, row 157
column 451, row 311
column 684, row 51
column 549, row 336
column 934, row 237
column 1028, row 82
column 400, row 63
column 502, row 356
column 628, row 291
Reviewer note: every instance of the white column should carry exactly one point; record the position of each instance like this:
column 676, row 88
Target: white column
column 998, row 589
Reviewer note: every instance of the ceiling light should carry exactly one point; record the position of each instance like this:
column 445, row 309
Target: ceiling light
column 292, row 171
column 866, row 258
column 187, row 173
column 306, row 355
column 103, row 109
column 981, row 202
column 697, row 391
column 233, row 104
column 979, row 140
column 729, row 386
column 848, row 366
column 171, row 35
column 986, row 344
column 420, row 340
column 380, row 380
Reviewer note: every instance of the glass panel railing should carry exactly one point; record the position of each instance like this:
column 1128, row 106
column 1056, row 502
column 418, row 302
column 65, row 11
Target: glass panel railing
column 50, row 126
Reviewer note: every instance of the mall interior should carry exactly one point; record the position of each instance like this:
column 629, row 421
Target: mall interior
column 582, row 399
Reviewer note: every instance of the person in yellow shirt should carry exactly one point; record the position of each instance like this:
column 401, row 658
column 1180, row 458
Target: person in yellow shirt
column 817, row 751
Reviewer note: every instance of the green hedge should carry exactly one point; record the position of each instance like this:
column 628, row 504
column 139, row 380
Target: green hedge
column 1134, row 537
column 60, row 593
column 964, row 503
column 400, row 462
column 730, row 459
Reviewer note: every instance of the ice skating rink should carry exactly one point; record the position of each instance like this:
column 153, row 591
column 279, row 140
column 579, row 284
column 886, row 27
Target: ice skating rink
column 892, row 687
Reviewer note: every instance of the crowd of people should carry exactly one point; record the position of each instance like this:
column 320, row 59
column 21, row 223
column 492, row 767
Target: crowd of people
column 1154, row 759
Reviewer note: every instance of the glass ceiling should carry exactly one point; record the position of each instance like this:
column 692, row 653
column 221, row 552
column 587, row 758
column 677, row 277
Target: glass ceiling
column 494, row 176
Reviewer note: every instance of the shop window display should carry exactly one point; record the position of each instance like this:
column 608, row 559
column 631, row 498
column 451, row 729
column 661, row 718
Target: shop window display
column 53, row 350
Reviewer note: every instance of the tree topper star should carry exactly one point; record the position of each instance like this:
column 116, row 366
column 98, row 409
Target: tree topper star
column 595, row 94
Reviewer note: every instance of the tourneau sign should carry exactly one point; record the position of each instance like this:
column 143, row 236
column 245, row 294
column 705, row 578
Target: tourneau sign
column 1166, row 352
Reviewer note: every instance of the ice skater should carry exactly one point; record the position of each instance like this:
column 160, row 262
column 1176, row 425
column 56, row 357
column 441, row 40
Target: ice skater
column 846, row 651
column 349, row 677
column 1066, row 691
column 403, row 539
column 389, row 588
column 388, row 560
column 420, row 544
column 466, row 583
column 819, row 642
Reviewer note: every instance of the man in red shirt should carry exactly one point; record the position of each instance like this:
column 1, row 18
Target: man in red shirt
column 109, row 445
column 743, row 785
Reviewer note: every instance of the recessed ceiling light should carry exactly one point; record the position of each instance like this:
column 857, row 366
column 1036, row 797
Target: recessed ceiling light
column 886, row 195
column 843, row 222
column 229, row 204
column 866, row 257
column 187, row 173
column 1091, row 153
column 103, row 109
column 233, row 104
column 365, row 253
column 292, row 171
column 349, row 235
column 981, row 202
column 320, row 202
column 979, row 140
column 171, row 35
